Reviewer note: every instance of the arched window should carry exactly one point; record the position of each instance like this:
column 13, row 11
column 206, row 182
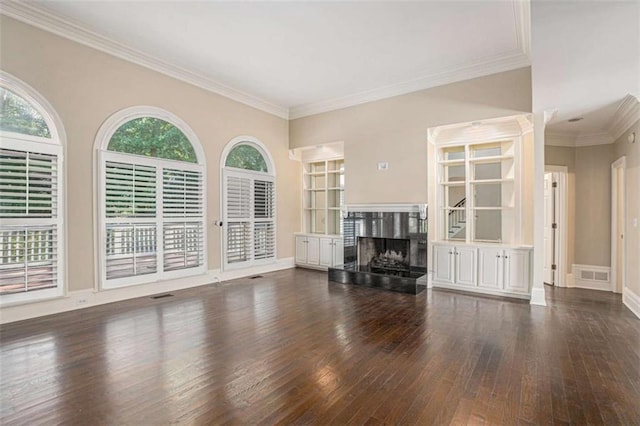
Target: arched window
column 31, row 195
column 151, row 198
column 248, row 204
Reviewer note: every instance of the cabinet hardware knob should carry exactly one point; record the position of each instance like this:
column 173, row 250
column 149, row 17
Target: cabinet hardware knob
column 506, row 257
column 497, row 255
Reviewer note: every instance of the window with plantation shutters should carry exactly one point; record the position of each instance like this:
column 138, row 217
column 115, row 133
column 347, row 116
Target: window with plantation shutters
column 152, row 208
column 31, row 233
column 249, row 234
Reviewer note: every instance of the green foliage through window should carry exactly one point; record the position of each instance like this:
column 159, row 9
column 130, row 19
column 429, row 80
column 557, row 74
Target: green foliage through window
column 246, row 157
column 152, row 137
column 18, row 116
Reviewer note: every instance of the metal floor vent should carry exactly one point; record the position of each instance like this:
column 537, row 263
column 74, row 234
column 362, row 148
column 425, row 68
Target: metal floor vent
column 255, row 276
column 162, row 296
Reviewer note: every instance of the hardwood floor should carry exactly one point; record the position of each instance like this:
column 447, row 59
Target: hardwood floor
column 291, row 348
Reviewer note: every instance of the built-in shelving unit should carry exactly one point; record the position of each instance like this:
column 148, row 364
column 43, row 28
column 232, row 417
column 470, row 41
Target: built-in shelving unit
column 323, row 196
column 477, row 191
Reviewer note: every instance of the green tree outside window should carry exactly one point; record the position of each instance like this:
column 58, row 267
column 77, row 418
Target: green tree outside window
column 152, row 137
column 18, row 116
column 246, row 157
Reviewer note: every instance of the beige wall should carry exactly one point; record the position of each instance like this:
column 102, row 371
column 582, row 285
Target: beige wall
column 632, row 153
column 593, row 205
column 86, row 86
column 589, row 197
column 395, row 130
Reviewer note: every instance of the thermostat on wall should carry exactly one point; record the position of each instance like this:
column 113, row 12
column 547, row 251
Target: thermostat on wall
column 383, row 165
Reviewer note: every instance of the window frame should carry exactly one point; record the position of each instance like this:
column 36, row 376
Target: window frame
column 55, row 145
column 269, row 176
column 102, row 155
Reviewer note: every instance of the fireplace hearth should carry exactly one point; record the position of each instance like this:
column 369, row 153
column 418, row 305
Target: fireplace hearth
column 385, row 250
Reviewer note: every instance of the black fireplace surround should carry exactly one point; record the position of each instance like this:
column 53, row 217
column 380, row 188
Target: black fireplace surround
column 386, row 250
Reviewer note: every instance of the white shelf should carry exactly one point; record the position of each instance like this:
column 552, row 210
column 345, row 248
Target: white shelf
column 491, row 159
column 506, row 180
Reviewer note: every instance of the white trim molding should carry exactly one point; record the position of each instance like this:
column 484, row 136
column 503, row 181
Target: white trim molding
column 518, row 58
column 493, row 65
column 618, row 228
column 591, row 277
column 87, row 298
column 631, row 300
column 538, row 296
column 627, row 113
column 388, row 208
column 40, row 17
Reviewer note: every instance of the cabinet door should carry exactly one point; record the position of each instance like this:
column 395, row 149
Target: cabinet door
column 338, row 252
column 301, row 249
column 326, row 251
column 313, row 250
column 489, row 273
column 516, row 270
column 465, row 261
column 443, row 263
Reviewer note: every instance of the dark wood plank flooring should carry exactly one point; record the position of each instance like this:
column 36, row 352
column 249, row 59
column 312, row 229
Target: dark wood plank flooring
column 292, row 348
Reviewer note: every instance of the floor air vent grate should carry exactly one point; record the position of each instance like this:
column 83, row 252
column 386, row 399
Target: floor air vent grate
column 162, row 296
column 255, row 276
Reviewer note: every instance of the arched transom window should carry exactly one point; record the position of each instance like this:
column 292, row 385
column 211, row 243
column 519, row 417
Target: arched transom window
column 249, row 205
column 151, row 199
column 31, row 195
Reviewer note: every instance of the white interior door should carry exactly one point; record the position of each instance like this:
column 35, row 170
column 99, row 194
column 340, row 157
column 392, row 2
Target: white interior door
column 620, row 252
column 549, row 217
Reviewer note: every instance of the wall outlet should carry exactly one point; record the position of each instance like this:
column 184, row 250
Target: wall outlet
column 383, row 165
column 82, row 301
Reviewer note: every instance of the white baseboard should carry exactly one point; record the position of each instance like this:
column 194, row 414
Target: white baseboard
column 591, row 277
column 87, row 298
column 284, row 263
column 631, row 300
column 538, row 296
column 570, row 282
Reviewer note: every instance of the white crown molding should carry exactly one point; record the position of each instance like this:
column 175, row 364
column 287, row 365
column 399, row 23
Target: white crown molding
column 45, row 20
column 493, row 65
column 518, row 58
column 627, row 113
column 40, row 17
column 592, row 139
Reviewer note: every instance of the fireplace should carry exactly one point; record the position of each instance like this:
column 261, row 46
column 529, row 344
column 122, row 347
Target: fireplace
column 384, row 249
column 384, row 255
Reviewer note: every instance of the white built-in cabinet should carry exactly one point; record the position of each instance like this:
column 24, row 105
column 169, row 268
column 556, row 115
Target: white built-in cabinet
column 319, row 252
column 479, row 226
column 494, row 270
column 455, row 265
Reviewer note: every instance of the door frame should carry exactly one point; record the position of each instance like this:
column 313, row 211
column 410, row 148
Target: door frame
column 619, row 165
column 561, row 176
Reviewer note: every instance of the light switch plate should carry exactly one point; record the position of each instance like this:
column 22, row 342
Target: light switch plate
column 383, row 165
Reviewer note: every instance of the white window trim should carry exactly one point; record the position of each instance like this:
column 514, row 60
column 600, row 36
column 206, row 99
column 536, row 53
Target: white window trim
column 270, row 175
column 102, row 154
column 54, row 145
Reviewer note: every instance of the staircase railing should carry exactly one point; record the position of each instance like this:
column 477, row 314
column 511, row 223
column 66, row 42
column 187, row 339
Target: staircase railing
column 457, row 218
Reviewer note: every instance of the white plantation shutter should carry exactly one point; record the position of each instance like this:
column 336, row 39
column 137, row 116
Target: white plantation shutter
column 183, row 231
column 153, row 219
column 130, row 203
column 264, row 213
column 249, row 218
column 30, row 224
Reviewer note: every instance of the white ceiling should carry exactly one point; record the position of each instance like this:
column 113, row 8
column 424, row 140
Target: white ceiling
column 308, row 57
column 585, row 60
